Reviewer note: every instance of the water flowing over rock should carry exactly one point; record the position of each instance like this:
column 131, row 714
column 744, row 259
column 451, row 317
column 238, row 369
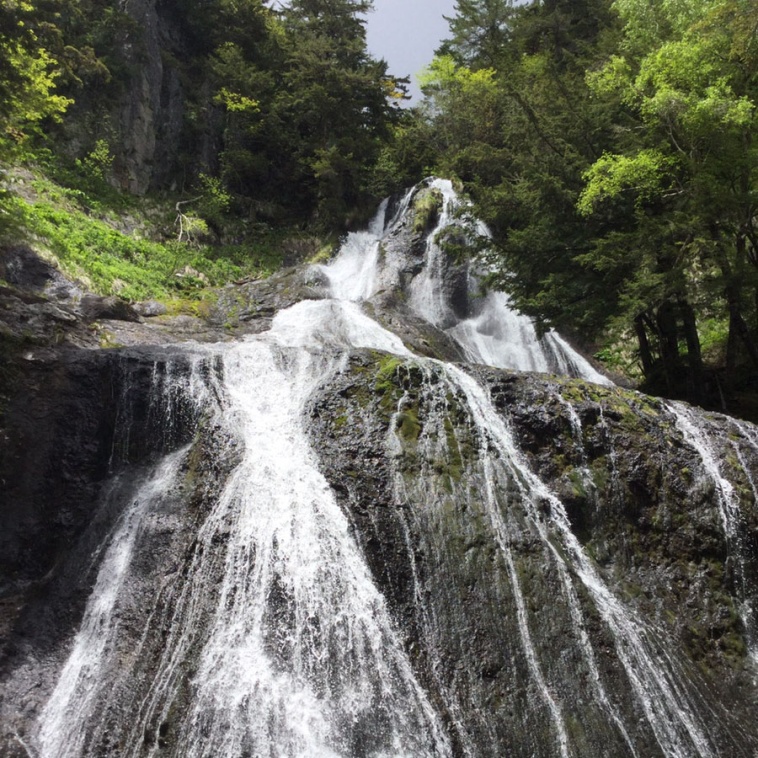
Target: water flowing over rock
column 367, row 528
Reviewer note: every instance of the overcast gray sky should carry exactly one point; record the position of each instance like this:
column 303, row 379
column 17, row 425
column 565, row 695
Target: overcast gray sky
column 406, row 33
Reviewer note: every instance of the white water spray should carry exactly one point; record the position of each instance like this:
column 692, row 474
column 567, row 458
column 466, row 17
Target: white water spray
column 85, row 672
column 298, row 655
column 493, row 334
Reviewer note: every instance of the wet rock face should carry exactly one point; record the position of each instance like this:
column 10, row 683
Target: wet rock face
column 70, row 419
column 249, row 308
column 80, row 432
column 401, row 451
column 570, row 569
column 641, row 502
column 455, row 539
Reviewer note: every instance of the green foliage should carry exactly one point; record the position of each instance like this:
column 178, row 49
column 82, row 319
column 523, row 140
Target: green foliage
column 480, row 32
column 28, row 74
column 465, row 100
column 337, row 106
column 297, row 110
column 643, row 174
column 610, row 146
column 215, row 200
column 305, row 107
column 426, row 208
column 111, row 261
column 96, row 165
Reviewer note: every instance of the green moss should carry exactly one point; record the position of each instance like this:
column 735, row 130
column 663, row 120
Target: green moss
column 631, row 590
column 601, row 473
column 426, row 207
column 455, row 455
column 578, row 484
column 408, row 426
column 325, row 252
column 108, row 340
column 386, row 374
column 182, row 307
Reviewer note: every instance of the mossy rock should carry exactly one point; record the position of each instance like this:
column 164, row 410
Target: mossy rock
column 427, row 205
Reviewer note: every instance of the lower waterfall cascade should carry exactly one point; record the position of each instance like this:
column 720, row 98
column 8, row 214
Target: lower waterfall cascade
column 339, row 546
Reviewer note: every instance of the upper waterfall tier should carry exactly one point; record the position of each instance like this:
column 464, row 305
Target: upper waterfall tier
column 404, row 252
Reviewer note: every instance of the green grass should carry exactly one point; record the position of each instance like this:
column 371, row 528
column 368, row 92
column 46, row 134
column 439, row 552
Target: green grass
column 85, row 236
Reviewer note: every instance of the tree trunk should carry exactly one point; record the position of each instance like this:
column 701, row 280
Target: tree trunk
column 695, row 377
column 646, row 356
column 738, row 328
column 668, row 341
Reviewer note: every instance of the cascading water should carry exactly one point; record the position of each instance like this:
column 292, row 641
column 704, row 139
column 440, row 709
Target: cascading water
column 491, row 332
column 86, row 669
column 298, row 656
column 515, row 502
column 269, row 631
column 697, row 434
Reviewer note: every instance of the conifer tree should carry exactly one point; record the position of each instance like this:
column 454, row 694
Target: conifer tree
column 480, row 32
column 337, row 103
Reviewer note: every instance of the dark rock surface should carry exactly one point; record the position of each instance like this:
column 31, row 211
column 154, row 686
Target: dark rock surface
column 76, row 418
column 638, row 499
column 76, row 444
column 97, row 308
column 26, row 271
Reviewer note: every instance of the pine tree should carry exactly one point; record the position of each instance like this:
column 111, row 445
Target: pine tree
column 336, row 101
column 481, row 31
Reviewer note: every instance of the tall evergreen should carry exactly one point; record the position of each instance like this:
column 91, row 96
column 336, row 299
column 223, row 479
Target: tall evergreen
column 337, row 103
column 480, row 32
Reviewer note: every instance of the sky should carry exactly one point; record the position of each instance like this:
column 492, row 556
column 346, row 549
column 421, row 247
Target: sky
column 406, row 33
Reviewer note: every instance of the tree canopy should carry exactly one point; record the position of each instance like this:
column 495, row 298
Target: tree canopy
column 284, row 104
column 28, row 73
column 610, row 145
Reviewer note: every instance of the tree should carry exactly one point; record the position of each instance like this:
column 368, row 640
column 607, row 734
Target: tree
column 28, row 74
column 519, row 135
column 337, row 102
column 480, row 32
column 609, row 145
column 687, row 76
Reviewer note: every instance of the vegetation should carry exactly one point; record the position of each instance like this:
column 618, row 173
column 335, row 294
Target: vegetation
column 132, row 247
column 610, row 145
column 282, row 114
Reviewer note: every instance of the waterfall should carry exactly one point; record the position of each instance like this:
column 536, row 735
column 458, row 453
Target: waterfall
column 514, row 503
column 86, row 669
column 696, row 432
column 491, row 332
column 270, row 632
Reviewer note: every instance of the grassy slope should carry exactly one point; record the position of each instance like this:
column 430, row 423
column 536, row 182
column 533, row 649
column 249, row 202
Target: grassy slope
column 119, row 245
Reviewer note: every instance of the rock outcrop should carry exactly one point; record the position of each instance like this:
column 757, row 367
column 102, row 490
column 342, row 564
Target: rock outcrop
column 542, row 566
column 406, row 459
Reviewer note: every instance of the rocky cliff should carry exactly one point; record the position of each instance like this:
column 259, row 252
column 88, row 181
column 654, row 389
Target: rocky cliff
column 154, row 109
column 324, row 536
